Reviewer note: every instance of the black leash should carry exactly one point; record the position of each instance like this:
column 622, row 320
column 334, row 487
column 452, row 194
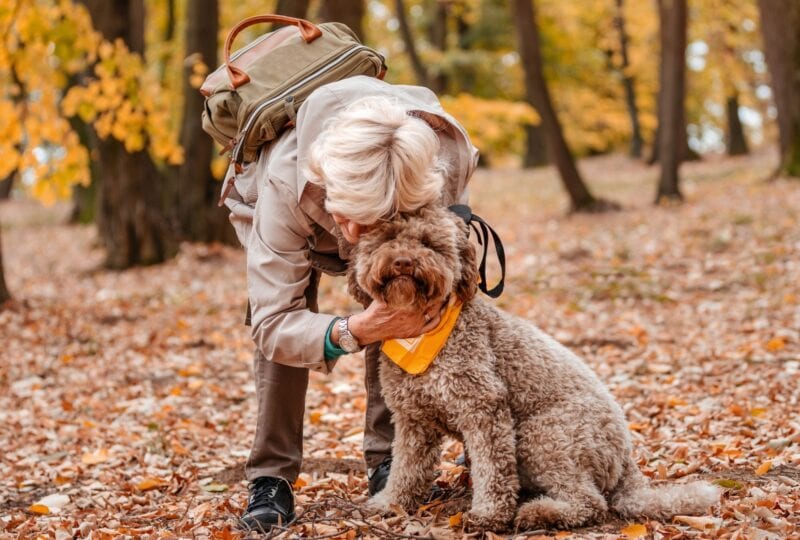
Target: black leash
column 483, row 230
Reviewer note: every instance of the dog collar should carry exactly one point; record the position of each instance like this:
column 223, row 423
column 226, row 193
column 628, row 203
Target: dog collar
column 415, row 355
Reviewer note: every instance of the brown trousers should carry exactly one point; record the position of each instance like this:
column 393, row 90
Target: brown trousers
column 281, row 391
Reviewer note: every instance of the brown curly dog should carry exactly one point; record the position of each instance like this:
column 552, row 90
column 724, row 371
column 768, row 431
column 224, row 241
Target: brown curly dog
column 531, row 414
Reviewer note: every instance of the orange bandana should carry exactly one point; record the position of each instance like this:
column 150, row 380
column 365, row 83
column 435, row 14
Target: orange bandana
column 415, row 355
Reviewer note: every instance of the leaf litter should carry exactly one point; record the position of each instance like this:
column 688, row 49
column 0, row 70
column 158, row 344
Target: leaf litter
column 127, row 405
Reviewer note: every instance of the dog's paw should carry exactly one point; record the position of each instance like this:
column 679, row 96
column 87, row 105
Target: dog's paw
column 482, row 521
column 381, row 503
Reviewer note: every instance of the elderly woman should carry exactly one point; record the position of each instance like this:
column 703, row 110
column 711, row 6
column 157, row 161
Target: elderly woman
column 362, row 151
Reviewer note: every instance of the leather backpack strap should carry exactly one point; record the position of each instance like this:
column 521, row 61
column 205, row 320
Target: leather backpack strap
column 309, row 32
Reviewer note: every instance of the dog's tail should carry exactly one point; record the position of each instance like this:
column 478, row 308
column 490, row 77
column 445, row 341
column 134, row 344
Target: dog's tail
column 636, row 496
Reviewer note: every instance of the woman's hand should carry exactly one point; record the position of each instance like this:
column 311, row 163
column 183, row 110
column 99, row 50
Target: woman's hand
column 380, row 323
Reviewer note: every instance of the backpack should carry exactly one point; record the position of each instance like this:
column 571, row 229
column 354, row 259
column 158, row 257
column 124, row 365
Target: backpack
column 256, row 92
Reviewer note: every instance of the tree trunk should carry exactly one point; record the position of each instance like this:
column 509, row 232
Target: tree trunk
column 437, row 35
column 6, row 185
column 736, row 142
column 628, row 84
column 5, row 296
column 408, row 41
column 131, row 216
column 780, row 24
column 293, row 8
column 535, row 147
column 672, row 136
column 197, row 191
column 538, row 96
column 349, row 12
column 84, row 198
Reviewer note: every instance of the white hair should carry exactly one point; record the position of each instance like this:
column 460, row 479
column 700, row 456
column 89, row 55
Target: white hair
column 374, row 160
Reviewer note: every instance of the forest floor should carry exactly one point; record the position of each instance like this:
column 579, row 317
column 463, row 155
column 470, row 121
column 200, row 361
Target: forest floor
column 127, row 405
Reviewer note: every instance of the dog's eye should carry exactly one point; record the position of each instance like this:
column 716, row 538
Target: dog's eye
column 426, row 242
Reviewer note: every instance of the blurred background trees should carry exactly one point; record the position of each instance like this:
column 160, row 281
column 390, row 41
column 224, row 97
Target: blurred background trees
column 100, row 98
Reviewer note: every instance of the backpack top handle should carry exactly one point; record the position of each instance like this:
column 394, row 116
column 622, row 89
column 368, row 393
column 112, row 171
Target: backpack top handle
column 308, row 31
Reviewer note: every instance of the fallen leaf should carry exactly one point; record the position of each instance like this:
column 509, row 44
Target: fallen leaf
column 299, row 483
column 758, row 411
column 634, row 530
column 701, row 523
column 39, row 509
column 455, row 520
column 179, row 449
column 191, row 370
column 764, row 468
column 314, row 417
column 214, row 488
column 727, row 483
column 151, row 483
column 93, row 458
column 776, row 344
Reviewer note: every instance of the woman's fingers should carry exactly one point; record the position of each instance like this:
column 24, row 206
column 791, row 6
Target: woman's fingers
column 432, row 323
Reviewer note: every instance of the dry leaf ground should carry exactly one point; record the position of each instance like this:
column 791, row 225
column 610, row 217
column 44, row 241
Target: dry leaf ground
column 127, row 405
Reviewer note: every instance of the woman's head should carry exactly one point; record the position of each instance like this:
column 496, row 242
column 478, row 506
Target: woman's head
column 375, row 160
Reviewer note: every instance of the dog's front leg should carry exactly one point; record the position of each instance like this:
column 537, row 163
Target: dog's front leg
column 415, row 453
column 489, row 440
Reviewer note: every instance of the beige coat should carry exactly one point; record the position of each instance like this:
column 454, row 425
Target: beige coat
column 281, row 220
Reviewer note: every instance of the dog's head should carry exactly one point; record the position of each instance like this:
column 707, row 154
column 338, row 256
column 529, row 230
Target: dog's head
column 415, row 260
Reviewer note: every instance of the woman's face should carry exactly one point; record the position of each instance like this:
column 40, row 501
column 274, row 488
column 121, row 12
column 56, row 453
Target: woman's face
column 350, row 229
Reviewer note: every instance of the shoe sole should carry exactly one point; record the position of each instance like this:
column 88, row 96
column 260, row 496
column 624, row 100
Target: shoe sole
column 254, row 525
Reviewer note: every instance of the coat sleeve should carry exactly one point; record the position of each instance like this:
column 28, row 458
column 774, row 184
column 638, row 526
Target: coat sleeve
column 278, row 273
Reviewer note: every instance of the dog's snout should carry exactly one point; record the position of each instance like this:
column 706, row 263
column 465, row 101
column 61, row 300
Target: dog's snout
column 403, row 265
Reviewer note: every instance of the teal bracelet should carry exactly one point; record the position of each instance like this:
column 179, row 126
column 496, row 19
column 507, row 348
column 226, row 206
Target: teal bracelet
column 332, row 352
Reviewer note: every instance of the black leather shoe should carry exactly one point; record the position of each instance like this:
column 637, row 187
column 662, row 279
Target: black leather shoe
column 271, row 503
column 379, row 475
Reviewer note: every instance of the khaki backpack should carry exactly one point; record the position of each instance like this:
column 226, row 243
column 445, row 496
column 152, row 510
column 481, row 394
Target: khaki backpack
column 255, row 94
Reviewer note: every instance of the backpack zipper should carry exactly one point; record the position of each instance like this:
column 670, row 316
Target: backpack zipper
column 238, row 148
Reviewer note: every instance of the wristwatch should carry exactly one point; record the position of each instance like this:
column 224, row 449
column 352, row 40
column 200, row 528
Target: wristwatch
column 347, row 341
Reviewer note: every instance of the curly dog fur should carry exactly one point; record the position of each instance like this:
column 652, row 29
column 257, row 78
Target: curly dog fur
column 531, row 414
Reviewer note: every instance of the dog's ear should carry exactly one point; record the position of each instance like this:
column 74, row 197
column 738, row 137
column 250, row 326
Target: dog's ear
column 354, row 289
column 467, row 284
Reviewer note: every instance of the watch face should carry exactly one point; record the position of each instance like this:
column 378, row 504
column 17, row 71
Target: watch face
column 346, row 339
column 348, row 343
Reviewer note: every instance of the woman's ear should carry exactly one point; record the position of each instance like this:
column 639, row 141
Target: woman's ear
column 467, row 284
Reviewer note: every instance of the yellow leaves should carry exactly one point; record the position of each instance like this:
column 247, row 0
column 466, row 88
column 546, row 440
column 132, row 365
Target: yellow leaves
column 199, row 70
column 495, row 126
column 634, row 530
column 315, row 417
column 93, row 458
column 764, row 468
column 151, row 483
column 218, row 167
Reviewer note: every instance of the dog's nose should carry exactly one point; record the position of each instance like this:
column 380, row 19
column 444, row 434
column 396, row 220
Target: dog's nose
column 403, row 265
